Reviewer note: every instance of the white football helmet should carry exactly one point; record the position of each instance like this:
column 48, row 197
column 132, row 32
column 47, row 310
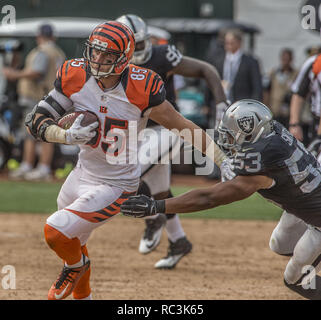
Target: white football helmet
column 143, row 49
column 245, row 121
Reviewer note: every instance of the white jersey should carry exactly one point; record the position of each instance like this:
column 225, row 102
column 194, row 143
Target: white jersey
column 120, row 111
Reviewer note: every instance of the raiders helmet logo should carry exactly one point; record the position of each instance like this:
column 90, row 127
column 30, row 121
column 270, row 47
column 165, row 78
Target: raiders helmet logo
column 246, row 124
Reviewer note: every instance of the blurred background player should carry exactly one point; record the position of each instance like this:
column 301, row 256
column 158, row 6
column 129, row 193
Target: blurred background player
column 167, row 61
column 34, row 81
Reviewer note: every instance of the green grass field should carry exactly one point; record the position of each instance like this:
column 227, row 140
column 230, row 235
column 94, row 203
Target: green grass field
column 25, row 197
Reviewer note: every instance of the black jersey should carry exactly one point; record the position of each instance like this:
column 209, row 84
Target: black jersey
column 295, row 171
column 164, row 58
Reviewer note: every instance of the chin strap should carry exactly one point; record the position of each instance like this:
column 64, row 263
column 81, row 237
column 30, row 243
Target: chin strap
column 258, row 135
column 99, row 75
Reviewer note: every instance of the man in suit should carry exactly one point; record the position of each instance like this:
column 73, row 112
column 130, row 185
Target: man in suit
column 240, row 74
column 240, row 71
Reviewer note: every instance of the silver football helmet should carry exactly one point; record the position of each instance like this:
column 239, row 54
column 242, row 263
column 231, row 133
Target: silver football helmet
column 143, row 49
column 245, row 121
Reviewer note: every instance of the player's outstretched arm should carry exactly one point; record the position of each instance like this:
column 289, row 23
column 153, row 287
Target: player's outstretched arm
column 199, row 199
column 194, row 68
column 167, row 116
column 222, row 193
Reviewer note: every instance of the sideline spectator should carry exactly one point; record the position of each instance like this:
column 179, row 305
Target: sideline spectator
column 240, row 71
column 278, row 91
column 34, row 81
column 11, row 54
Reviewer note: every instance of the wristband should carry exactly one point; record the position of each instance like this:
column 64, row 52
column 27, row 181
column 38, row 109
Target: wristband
column 160, row 206
column 294, row 125
column 55, row 134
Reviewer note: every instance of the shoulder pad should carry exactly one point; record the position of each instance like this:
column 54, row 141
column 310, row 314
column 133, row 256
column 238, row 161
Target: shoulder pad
column 276, row 151
column 71, row 77
column 280, row 147
column 267, row 154
column 144, row 88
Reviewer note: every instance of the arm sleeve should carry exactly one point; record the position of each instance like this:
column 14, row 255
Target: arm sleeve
column 56, row 104
column 158, row 93
column 41, row 122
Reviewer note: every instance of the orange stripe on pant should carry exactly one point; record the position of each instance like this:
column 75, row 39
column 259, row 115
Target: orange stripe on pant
column 104, row 213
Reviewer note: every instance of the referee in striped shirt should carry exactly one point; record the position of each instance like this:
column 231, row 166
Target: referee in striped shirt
column 307, row 85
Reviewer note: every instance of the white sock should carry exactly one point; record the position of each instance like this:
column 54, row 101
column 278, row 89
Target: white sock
column 174, row 229
column 87, row 298
column 79, row 264
column 25, row 166
column 43, row 168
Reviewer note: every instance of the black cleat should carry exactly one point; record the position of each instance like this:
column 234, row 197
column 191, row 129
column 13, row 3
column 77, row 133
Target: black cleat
column 311, row 293
column 152, row 234
column 176, row 251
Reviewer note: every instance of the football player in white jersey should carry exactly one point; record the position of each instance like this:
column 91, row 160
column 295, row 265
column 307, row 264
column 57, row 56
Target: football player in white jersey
column 120, row 94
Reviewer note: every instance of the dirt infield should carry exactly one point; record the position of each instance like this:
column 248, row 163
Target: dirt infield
column 230, row 260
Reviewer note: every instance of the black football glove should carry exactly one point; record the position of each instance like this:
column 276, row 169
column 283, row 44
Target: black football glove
column 315, row 146
column 142, row 206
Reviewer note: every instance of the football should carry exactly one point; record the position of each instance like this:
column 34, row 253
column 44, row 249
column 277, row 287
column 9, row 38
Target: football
column 89, row 117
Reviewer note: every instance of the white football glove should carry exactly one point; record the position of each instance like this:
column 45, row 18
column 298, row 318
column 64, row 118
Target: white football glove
column 78, row 134
column 227, row 170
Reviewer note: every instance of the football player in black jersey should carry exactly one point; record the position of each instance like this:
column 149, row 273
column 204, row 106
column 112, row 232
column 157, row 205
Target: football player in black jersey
column 167, row 61
column 263, row 157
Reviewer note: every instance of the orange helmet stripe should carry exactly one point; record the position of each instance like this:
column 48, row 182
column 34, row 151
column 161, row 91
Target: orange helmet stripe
column 116, row 38
column 114, row 32
column 117, row 34
column 125, row 30
column 102, row 36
